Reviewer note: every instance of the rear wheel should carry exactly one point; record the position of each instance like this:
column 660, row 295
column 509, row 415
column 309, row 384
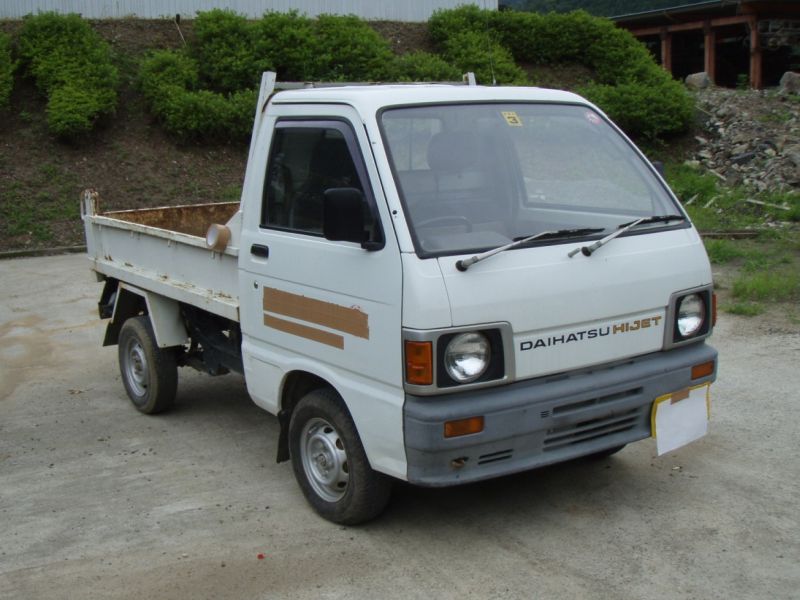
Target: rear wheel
column 330, row 463
column 149, row 373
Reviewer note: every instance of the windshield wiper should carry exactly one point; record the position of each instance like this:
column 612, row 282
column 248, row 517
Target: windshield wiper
column 464, row 264
column 588, row 250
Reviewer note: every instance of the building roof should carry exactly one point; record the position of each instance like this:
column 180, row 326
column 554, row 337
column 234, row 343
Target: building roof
column 692, row 11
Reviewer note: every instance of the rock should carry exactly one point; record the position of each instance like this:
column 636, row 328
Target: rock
column 790, row 83
column 751, row 138
column 698, row 81
column 793, row 154
column 743, row 158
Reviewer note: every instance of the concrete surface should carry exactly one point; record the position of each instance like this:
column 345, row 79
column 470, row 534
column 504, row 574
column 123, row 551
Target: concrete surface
column 98, row 501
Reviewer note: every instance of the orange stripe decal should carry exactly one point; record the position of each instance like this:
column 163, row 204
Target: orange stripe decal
column 303, row 331
column 341, row 318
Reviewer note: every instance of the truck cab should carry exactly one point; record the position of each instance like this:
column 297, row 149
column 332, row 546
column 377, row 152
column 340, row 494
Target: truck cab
column 443, row 284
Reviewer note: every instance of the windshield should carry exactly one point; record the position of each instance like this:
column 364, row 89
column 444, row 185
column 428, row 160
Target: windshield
column 477, row 176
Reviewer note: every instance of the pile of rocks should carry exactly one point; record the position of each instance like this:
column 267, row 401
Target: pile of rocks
column 752, row 138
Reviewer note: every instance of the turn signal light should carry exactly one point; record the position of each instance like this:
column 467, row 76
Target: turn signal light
column 419, row 363
column 703, row 370
column 463, row 427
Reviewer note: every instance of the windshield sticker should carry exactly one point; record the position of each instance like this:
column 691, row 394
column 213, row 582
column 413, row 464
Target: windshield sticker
column 593, row 118
column 512, row 118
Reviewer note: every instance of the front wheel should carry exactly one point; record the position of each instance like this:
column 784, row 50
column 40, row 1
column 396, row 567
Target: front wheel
column 330, row 463
column 149, row 373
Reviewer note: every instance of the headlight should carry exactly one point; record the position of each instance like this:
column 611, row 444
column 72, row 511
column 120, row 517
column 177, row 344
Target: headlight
column 467, row 356
column 691, row 315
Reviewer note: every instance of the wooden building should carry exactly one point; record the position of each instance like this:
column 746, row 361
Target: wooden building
column 733, row 41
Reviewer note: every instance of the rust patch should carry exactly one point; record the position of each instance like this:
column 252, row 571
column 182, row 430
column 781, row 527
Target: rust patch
column 678, row 396
column 191, row 220
column 304, row 331
column 327, row 314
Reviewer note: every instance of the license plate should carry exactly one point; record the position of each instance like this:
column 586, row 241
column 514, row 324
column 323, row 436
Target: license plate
column 680, row 417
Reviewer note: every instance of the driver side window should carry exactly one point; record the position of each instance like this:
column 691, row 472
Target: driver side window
column 304, row 161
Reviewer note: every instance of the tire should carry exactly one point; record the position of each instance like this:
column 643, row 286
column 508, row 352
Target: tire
column 330, row 463
column 149, row 373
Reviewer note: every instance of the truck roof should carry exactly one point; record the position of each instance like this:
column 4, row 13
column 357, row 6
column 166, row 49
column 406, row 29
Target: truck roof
column 370, row 98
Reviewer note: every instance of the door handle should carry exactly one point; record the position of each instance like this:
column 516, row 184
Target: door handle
column 259, row 250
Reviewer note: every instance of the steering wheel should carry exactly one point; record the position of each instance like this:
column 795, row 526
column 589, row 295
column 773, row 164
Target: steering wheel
column 449, row 219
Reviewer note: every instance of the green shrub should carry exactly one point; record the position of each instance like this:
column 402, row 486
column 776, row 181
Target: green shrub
column 628, row 84
column 423, row 66
column 7, row 67
column 224, row 47
column 210, row 115
column 347, row 48
column 289, row 40
column 72, row 66
column 169, row 82
column 167, row 68
column 209, row 89
column 490, row 61
column 72, row 109
column 647, row 110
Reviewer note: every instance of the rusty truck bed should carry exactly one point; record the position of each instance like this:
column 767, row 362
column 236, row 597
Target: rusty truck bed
column 164, row 250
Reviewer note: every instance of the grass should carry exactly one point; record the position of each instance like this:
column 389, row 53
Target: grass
column 723, row 251
column 713, row 206
column 23, row 215
column 745, row 309
column 781, row 285
column 767, row 270
column 231, row 193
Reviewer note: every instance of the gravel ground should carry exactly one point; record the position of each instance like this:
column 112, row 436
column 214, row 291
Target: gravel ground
column 98, row 501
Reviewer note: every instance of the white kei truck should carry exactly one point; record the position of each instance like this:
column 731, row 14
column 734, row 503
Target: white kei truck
column 435, row 283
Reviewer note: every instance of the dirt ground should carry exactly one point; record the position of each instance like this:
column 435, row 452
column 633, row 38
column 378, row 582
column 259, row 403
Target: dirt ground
column 99, row 501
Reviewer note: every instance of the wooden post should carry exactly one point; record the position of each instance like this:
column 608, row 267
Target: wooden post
column 666, row 50
column 756, row 74
column 710, row 51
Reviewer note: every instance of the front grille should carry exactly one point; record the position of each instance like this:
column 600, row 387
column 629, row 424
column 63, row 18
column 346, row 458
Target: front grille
column 576, row 406
column 582, row 432
column 494, row 457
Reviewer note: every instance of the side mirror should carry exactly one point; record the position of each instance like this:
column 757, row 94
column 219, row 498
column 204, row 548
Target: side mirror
column 343, row 217
column 659, row 167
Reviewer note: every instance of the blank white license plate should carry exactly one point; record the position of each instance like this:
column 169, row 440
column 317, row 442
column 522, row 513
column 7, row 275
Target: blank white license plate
column 680, row 417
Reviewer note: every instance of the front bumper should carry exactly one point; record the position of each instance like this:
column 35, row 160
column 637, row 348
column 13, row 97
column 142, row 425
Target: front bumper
column 533, row 423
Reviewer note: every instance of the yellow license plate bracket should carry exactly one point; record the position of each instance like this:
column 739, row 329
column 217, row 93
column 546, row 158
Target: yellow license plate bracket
column 680, row 417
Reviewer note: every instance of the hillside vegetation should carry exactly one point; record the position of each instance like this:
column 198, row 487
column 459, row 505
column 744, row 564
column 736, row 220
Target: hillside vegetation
column 176, row 117
column 206, row 90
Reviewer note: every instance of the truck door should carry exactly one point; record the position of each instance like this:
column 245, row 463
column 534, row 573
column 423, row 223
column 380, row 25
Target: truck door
column 308, row 304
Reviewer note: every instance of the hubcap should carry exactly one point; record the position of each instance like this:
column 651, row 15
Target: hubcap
column 136, row 371
column 324, row 459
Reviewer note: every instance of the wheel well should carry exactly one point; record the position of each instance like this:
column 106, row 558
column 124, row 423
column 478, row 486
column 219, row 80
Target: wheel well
column 296, row 385
column 128, row 304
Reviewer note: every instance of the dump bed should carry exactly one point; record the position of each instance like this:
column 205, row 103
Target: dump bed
column 164, row 250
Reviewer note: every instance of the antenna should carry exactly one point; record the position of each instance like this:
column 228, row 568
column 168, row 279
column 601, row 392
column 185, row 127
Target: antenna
column 489, row 43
